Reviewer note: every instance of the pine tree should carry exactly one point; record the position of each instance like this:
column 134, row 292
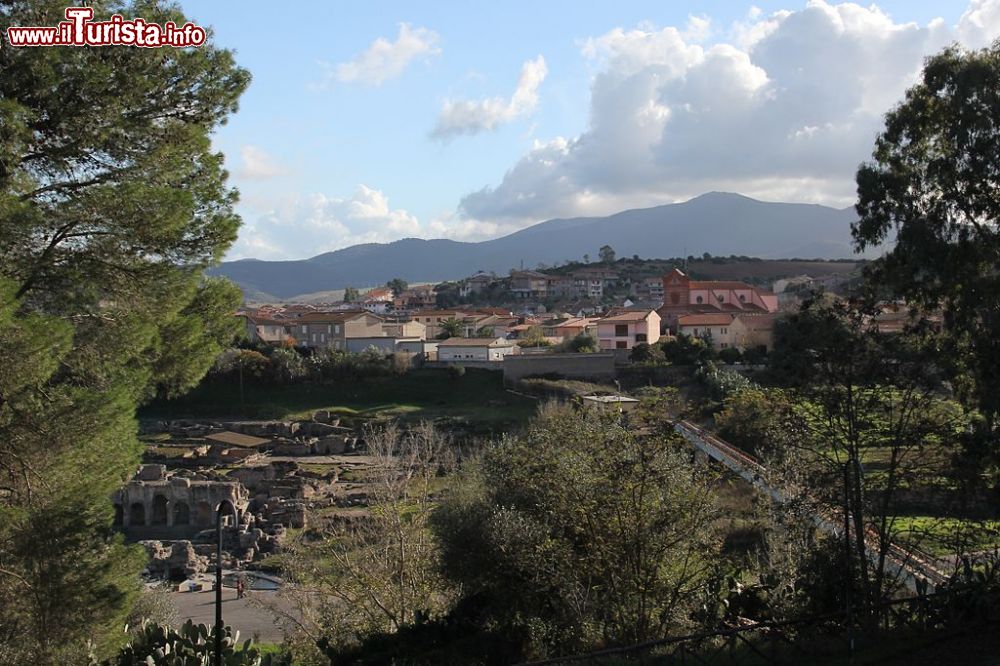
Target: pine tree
column 112, row 205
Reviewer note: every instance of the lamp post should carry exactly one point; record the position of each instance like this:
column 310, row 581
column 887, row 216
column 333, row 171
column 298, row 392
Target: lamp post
column 218, row 575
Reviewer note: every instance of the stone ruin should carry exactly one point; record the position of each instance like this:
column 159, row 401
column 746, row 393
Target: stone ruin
column 174, row 517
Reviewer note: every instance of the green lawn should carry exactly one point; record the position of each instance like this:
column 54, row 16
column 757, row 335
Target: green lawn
column 478, row 398
column 940, row 536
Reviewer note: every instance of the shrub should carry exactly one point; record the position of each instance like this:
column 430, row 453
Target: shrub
column 730, row 355
column 456, row 371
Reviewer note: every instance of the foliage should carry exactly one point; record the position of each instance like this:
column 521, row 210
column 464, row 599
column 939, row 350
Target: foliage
column 397, row 285
column 730, row 355
column 450, row 328
column 378, row 573
column 685, row 350
column 580, row 533
column 485, row 332
column 607, row 254
column 863, row 392
column 112, row 205
column 456, row 371
column 932, row 180
column 534, row 337
column 352, row 295
column 287, row 366
column 190, row 645
column 646, row 353
column 722, row 383
column 762, row 422
column 580, row 343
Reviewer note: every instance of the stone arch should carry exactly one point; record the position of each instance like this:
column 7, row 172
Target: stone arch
column 159, row 510
column 182, row 513
column 204, row 514
column 119, row 515
column 137, row 514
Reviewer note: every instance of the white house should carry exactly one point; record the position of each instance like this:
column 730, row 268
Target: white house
column 456, row 350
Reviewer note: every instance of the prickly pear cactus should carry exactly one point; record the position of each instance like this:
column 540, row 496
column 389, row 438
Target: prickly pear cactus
column 190, row 645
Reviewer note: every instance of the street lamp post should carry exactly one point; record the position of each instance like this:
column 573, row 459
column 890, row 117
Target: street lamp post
column 218, row 575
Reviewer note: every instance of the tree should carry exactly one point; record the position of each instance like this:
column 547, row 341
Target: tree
column 112, row 205
column 485, row 332
column 607, row 254
column 932, row 180
column 351, row 295
column 534, row 337
column 450, row 328
column 397, row 285
column 379, row 574
column 581, row 343
column 581, row 531
column 864, row 394
column 586, row 258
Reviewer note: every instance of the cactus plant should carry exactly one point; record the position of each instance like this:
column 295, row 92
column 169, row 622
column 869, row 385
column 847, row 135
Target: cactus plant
column 190, row 645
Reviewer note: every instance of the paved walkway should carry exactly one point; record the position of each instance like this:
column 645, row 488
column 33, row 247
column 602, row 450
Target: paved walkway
column 249, row 615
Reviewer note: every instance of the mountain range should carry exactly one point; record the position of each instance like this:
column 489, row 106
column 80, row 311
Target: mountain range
column 719, row 223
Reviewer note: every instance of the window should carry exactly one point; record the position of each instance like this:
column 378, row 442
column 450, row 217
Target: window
column 336, row 329
column 621, row 330
column 322, row 337
column 721, row 298
column 305, row 328
column 675, row 298
column 327, row 328
column 621, row 344
column 640, row 337
column 743, row 298
column 723, row 330
column 699, row 300
column 314, row 337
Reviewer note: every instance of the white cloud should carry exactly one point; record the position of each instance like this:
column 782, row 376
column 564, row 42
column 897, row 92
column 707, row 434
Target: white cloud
column 383, row 59
column 785, row 108
column 471, row 117
column 258, row 164
column 980, row 24
column 307, row 225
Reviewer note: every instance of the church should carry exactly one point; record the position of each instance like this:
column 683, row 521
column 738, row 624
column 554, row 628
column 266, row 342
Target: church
column 684, row 296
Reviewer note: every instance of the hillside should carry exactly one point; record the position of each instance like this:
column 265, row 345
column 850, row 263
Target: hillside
column 717, row 223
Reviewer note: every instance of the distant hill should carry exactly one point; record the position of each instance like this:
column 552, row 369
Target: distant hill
column 717, row 223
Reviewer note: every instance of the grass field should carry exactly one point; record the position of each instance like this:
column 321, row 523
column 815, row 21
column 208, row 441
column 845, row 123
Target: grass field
column 476, row 398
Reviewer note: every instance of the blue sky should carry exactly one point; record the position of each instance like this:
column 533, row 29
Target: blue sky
column 470, row 120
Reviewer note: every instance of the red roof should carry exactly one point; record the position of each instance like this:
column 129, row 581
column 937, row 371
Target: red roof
column 705, row 320
column 629, row 315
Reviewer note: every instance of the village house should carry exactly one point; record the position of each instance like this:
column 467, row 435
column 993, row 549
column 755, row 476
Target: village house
column 624, row 330
column 432, row 319
column 683, row 296
column 457, row 350
column 569, row 327
column 478, row 283
column 405, row 329
column 529, row 284
column 723, row 330
column 418, row 296
column 268, row 331
column 322, row 330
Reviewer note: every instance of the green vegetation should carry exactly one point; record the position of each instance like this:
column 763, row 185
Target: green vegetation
column 112, row 205
column 478, row 396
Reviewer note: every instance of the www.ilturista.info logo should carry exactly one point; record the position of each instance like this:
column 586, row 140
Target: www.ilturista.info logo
column 79, row 30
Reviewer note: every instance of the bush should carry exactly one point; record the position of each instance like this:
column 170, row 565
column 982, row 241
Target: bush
column 456, row 371
column 191, row 644
column 730, row 355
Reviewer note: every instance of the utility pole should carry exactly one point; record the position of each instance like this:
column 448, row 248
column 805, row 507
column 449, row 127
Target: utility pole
column 218, row 575
column 848, row 569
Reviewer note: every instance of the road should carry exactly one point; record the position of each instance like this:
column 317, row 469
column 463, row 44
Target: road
column 249, row 615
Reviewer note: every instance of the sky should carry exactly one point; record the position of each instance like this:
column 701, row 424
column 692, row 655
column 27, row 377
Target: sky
column 375, row 121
